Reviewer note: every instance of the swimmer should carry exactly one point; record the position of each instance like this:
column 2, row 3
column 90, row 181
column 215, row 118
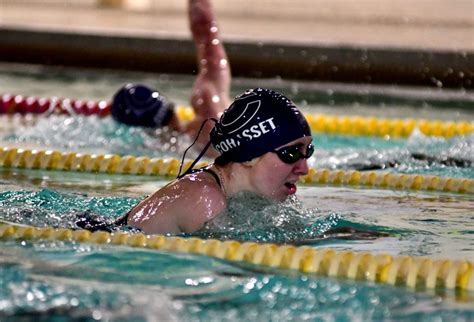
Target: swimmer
column 263, row 141
column 139, row 105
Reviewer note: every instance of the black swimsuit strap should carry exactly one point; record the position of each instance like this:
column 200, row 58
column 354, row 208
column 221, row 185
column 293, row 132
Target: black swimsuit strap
column 122, row 221
column 212, row 172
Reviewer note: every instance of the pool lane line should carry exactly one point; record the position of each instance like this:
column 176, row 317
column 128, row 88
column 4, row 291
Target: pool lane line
column 411, row 271
column 319, row 123
column 11, row 157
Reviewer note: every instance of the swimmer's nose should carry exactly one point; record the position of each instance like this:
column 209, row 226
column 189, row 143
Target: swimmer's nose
column 301, row 167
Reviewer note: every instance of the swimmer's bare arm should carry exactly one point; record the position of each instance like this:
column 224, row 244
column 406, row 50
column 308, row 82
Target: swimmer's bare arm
column 210, row 94
column 183, row 206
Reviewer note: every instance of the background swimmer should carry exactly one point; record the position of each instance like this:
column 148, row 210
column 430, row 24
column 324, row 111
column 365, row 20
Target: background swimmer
column 139, row 105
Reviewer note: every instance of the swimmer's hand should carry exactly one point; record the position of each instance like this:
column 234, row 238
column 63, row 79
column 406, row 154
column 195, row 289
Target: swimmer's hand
column 352, row 233
column 345, row 233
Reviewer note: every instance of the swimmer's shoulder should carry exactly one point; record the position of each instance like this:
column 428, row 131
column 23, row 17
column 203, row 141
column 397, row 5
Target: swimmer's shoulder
column 202, row 199
column 185, row 205
column 201, row 185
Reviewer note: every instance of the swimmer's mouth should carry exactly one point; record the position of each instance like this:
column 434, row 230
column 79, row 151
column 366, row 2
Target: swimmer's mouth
column 291, row 186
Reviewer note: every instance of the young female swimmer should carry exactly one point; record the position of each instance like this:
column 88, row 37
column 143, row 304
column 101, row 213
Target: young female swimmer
column 139, row 105
column 263, row 141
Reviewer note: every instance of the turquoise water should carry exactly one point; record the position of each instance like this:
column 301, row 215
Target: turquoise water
column 81, row 282
column 88, row 283
column 333, row 152
column 60, row 281
column 418, row 224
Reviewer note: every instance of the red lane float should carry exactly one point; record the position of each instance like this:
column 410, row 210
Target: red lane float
column 320, row 123
column 11, row 104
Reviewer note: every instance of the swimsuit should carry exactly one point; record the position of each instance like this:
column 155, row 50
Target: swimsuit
column 212, row 172
column 93, row 222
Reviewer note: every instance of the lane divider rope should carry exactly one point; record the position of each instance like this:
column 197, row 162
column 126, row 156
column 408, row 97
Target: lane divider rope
column 413, row 272
column 319, row 123
column 11, row 157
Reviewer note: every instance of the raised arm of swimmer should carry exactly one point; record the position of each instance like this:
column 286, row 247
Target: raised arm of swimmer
column 210, row 94
column 139, row 105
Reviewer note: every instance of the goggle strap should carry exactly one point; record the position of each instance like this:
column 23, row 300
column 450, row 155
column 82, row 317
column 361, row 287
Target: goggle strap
column 179, row 176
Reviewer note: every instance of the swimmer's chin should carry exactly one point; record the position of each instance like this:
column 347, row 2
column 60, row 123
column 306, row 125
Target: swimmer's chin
column 275, row 197
column 288, row 194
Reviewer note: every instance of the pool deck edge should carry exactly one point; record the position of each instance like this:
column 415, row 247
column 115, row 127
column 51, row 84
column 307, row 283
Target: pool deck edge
column 290, row 60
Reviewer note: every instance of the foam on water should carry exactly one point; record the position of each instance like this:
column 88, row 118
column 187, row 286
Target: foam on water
column 250, row 217
column 418, row 154
column 51, row 208
column 99, row 135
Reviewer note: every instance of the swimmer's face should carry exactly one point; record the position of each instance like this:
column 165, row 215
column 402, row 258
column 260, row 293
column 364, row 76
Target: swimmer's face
column 275, row 179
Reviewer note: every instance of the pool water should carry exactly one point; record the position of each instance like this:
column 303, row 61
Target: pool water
column 332, row 151
column 61, row 280
column 90, row 283
column 419, row 224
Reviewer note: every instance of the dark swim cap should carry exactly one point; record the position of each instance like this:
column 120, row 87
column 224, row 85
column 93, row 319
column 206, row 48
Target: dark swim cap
column 138, row 105
column 258, row 121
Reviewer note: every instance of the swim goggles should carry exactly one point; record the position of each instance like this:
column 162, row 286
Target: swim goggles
column 291, row 154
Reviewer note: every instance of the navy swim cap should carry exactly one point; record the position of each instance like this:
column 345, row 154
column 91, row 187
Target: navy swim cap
column 139, row 105
column 258, row 121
